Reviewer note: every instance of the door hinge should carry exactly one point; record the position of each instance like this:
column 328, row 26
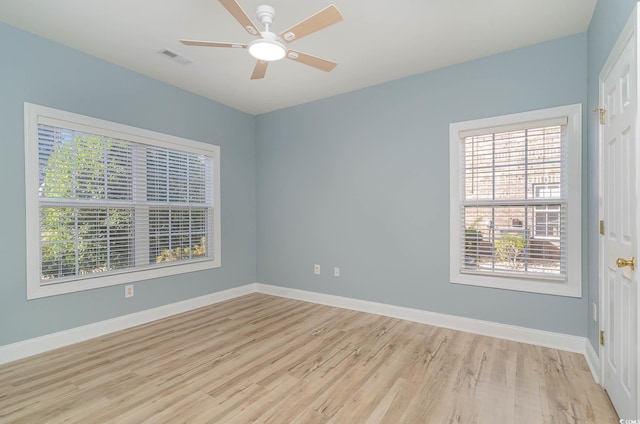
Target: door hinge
column 602, row 112
column 601, row 227
column 602, row 337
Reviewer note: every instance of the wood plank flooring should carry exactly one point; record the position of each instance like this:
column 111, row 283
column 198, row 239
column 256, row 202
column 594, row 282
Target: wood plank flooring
column 266, row 359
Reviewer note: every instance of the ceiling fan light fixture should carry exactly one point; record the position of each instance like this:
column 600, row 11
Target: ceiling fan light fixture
column 267, row 50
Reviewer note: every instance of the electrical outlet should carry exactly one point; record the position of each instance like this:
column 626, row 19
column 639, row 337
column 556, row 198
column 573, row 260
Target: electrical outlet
column 336, row 271
column 316, row 269
column 128, row 290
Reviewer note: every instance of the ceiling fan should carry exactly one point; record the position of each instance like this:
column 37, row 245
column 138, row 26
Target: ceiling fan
column 268, row 46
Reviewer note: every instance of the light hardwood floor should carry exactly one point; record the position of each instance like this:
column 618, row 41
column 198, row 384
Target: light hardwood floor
column 266, row 359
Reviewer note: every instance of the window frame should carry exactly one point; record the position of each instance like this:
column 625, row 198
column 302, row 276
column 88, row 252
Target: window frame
column 571, row 286
column 33, row 114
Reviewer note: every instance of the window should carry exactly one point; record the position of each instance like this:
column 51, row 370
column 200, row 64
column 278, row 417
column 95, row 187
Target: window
column 515, row 201
column 109, row 204
column 546, row 217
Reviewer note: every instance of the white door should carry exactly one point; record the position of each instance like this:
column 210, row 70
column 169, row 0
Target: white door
column 619, row 201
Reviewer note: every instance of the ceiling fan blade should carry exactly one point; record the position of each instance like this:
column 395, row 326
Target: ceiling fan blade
column 236, row 11
column 326, row 17
column 259, row 70
column 307, row 59
column 212, row 44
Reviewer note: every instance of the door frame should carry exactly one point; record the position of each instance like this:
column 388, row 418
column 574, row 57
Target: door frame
column 632, row 26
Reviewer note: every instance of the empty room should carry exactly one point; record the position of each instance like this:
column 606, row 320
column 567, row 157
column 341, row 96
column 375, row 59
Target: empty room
column 432, row 217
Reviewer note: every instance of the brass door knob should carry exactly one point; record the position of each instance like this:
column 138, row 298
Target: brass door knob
column 624, row 262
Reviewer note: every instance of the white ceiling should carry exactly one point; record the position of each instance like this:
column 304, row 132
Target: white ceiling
column 378, row 40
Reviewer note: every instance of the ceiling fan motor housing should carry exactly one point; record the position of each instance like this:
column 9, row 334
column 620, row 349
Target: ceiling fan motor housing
column 265, row 14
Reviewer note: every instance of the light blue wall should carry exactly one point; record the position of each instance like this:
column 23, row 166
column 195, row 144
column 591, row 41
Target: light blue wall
column 361, row 181
column 607, row 22
column 38, row 71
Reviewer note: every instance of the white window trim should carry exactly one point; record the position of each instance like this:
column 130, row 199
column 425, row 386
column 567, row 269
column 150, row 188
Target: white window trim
column 32, row 115
column 572, row 285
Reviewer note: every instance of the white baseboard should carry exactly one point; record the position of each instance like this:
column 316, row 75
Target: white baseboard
column 553, row 340
column 486, row 328
column 22, row 349
column 593, row 361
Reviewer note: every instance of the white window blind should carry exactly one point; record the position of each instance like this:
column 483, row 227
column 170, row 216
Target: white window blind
column 515, row 201
column 512, row 221
column 108, row 205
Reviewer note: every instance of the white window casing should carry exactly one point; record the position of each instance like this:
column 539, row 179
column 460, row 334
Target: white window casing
column 516, row 201
column 110, row 204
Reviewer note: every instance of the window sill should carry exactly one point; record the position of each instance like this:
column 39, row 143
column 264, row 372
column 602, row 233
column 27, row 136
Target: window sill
column 530, row 285
column 36, row 290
